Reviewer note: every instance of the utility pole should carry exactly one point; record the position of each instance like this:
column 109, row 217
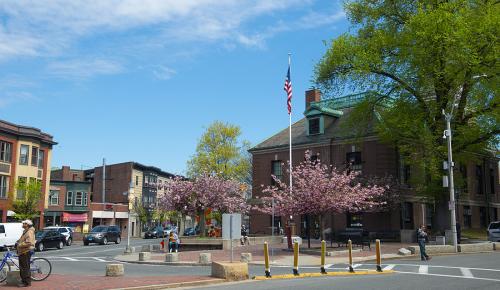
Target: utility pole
column 103, row 187
column 451, row 185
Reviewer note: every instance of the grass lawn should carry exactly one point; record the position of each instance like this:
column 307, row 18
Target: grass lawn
column 479, row 234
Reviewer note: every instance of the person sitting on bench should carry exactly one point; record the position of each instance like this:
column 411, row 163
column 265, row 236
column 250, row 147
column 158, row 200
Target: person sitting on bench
column 173, row 242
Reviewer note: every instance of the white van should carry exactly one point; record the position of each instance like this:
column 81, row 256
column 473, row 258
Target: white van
column 10, row 233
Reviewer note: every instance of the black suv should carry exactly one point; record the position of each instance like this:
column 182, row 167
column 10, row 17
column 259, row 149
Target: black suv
column 102, row 235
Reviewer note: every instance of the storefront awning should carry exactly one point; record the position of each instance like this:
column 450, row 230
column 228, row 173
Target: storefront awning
column 74, row 217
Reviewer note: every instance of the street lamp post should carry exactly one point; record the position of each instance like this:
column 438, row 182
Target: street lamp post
column 128, row 249
column 451, row 165
column 451, row 185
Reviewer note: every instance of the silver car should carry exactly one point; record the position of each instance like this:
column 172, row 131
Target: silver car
column 494, row 232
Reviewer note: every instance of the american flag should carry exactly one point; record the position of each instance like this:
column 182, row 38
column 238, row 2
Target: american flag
column 288, row 90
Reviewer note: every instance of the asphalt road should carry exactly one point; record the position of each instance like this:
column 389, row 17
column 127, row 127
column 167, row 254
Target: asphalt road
column 466, row 271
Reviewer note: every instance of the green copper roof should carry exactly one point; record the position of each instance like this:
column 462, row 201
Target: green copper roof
column 333, row 107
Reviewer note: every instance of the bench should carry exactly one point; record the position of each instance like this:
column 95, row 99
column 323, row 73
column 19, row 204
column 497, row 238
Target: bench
column 358, row 237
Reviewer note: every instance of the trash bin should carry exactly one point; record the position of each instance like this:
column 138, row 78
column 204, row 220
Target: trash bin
column 440, row 240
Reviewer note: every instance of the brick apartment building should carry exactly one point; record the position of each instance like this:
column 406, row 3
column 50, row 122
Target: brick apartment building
column 322, row 133
column 69, row 199
column 25, row 155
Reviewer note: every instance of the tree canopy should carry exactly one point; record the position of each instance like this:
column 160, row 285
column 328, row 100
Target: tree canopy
column 418, row 58
column 28, row 194
column 220, row 152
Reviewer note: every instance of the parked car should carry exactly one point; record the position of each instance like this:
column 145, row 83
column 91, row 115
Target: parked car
column 102, row 235
column 49, row 239
column 494, row 232
column 67, row 232
column 10, row 233
column 192, row 231
column 154, row 232
column 169, row 229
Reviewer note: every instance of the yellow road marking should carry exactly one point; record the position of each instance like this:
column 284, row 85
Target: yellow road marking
column 305, row 275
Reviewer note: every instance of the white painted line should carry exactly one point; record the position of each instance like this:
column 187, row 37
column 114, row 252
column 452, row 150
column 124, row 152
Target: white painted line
column 98, row 259
column 356, row 265
column 69, row 259
column 450, row 267
column 423, row 269
column 328, row 266
column 389, row 267
column 450, row 276
column 466, row 272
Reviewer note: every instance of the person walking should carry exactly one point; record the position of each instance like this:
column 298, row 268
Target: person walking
column 24, row 246
column 422, row 237
column 244, row 235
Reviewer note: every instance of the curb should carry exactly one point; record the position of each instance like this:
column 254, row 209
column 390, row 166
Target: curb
column 309, row 275
column 175, row 285
column 165, row 263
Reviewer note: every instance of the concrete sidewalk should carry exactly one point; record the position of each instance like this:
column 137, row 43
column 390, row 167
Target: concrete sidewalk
column 80, row 282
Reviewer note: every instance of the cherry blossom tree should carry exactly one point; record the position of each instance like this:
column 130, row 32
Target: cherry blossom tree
column 204, row 192
column 319, row 188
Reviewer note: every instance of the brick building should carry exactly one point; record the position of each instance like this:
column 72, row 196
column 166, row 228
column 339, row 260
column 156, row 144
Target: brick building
column 69, row 199
column 127, row 184
column 321, row 131
column 25, row 155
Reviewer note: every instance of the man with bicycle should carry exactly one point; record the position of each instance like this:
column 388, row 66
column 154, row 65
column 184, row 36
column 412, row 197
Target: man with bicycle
column 24, row 246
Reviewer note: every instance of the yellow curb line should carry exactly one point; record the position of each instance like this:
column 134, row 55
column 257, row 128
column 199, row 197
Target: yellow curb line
column 305, row 275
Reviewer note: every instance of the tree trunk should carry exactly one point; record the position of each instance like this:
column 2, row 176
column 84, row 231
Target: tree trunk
column 202, row 223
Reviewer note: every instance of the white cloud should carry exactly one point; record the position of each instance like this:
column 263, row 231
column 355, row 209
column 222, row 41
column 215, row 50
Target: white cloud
column 33, row 28
column 9, row 98
column 162, row 72
column 84, row 68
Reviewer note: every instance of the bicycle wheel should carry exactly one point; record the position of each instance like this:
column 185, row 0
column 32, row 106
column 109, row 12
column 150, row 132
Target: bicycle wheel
column 40, row 269
column 4, row 271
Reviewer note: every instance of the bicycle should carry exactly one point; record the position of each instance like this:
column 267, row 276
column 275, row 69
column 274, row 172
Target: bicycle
column 40, row 267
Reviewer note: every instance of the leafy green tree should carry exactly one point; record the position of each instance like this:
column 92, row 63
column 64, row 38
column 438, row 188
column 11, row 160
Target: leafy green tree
column 141, row 212
column 220, row 152
column 418, row 58
column 26, row 196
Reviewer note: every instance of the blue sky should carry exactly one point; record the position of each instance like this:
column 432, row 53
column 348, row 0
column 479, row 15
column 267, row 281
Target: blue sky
column 142, row 80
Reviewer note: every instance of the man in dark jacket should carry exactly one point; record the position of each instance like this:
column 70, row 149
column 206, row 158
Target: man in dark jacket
column 422, row 238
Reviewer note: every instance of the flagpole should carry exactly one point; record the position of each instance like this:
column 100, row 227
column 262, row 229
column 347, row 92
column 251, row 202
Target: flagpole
column 290, row 131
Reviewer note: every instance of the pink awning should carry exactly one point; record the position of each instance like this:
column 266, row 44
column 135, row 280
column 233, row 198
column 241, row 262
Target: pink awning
column 74, row 217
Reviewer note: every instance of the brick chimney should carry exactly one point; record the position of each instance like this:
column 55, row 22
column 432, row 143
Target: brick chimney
column 312, row 95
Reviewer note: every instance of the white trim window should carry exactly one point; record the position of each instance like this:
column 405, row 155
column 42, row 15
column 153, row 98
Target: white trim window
column 69, row 198
column 5, row 151
column 54, row 197
column 4, row 186
column 24, row 154
column 85, row 198
column 79, row 198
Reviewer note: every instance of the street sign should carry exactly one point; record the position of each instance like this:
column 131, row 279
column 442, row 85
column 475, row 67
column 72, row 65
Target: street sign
column 231, row 230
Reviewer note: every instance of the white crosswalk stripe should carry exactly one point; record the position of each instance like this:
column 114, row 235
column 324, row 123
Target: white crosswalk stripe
column 423, row 269
column 466, row 272
column 389, row 267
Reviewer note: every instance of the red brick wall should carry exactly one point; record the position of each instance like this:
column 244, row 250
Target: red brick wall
column 118, row 178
